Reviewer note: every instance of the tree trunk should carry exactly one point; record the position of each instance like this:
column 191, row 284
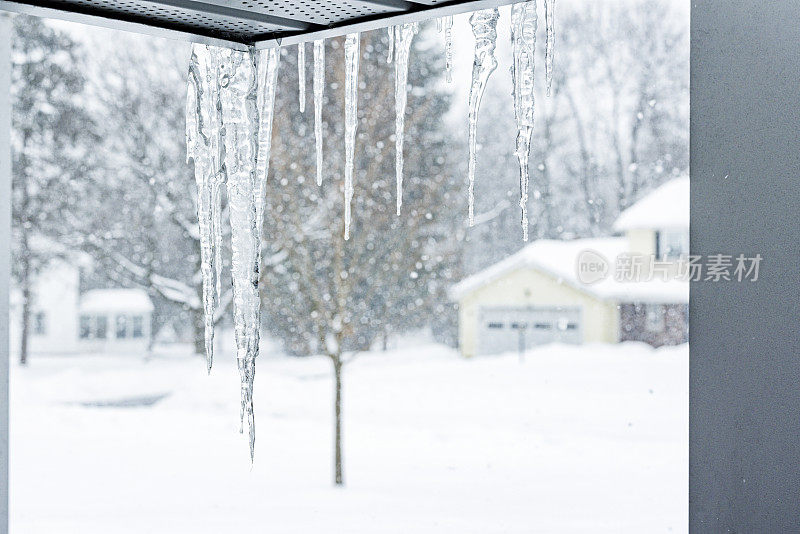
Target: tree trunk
column 199, row 332
column 337, row 372
column 26, row 318
column 25, row 283
column 24, row 253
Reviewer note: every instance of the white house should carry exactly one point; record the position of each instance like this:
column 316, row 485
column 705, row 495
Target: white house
column 114, row 321
column 539, row 295
column 54, row 321
column 64, row 321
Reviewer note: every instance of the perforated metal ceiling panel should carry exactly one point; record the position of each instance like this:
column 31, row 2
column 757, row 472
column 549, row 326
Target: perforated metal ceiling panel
column 245, row 22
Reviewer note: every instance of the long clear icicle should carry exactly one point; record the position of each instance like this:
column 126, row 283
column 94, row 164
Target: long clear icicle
column 484, row 28
column 217, row 224
column 390, row 55
column 351, row 55
column 237, row 81
column 319, row 89
column 447, row 24
column 220, row 176
column 404, row 34
column 550, row 43
column 523, row 43
column 201, row 143
column 247, row 85
column 267, row 63
column 301, row 75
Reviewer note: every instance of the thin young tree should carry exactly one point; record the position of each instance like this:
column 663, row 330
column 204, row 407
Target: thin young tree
column 322, row 293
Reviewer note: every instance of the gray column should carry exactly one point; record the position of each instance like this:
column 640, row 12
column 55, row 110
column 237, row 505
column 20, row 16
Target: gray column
column 744, row 457
column 5, row 254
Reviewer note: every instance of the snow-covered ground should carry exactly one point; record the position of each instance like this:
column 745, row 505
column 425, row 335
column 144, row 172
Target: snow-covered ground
column 573, row 439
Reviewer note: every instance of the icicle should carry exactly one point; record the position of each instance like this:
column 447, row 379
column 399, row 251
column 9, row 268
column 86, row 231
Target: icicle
column 240, row 116
column 217, row 224
column 351, row 55
column 523, row 44
column 319, row 88
column 550, row 43
column 447, row 22
column 389, row 57
column 404, row 35
column 202, row 143
column 247, row 117
column 301, row 74
column 267, row 63
column 439, row 24
column 484, row 27
column 220, row 177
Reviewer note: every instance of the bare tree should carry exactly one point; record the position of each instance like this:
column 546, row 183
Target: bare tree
column 323, row 294
column 615, row 126
column 141, row 206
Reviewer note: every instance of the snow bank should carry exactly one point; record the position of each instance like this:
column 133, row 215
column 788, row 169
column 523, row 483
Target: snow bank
column 572, row 439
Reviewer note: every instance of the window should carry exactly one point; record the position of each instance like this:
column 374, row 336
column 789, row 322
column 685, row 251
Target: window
column 654, row 317
column 495, row 325
column 672, row 243
column 101, row 326
column 122, row 327
column 138, row 326
column 39, row 324
column 85, row 327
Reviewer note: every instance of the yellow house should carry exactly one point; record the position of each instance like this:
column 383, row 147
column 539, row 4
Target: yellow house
column 577, row 291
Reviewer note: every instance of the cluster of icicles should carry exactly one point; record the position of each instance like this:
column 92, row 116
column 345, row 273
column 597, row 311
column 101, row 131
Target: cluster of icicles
column 229, row 111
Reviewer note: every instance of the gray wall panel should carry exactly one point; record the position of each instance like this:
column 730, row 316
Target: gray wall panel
column 745, row 336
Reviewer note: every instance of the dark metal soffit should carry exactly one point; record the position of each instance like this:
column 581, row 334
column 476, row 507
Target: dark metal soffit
column 243, row 23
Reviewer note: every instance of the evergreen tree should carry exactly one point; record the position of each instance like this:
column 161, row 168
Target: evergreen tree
column 51, row 133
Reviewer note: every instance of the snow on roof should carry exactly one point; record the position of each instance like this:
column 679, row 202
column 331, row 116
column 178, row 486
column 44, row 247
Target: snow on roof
column 665, row 207
column 559, row 259
column 47, row 246
column 116, row 300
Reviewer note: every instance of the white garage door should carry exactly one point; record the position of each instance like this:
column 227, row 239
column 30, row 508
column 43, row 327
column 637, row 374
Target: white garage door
column 513, row 329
